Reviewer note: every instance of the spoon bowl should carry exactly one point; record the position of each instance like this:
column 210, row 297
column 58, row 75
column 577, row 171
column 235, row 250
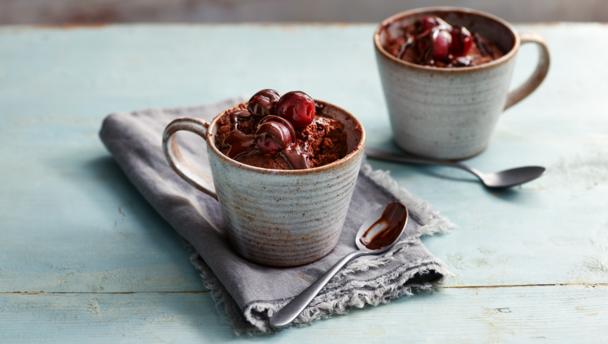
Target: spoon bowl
column 497, row 180
column 382, row 229
column 375, row 236
column 511, row 177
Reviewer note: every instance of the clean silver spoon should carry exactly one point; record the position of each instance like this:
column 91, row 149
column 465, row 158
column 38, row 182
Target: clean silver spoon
column 496, row 180
column 375, row 236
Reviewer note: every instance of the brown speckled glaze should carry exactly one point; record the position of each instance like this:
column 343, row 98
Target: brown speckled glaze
column 450, row 113
column 277, row 217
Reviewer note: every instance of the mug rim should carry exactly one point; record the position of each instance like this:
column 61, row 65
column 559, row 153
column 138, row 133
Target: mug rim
column 358, row 149
column 417, row 11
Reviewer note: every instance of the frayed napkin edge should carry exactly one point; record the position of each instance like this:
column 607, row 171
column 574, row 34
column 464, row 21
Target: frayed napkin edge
column 253, row 320
column 245, row 322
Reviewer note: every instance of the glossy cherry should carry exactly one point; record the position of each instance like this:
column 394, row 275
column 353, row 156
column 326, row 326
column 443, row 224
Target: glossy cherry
column 274, row 134
column 297, row 107
column 427, row 23
column 462, row 41
column 442, row 39
column 263, row 102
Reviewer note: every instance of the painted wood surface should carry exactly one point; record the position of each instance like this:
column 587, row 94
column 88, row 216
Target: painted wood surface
column 72, row 226
column 553, row 314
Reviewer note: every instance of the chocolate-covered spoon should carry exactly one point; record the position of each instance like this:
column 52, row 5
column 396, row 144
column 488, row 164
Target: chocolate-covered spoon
column 497, row 180
column 375, row 236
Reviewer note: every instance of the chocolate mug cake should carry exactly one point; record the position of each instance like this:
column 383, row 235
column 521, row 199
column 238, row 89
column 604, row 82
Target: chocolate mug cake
column 432, row 41
column 281, row 132
column 446, row 74
column 283, row 169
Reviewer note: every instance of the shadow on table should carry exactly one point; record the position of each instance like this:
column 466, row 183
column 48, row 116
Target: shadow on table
column 446, row 173
column 517, row 194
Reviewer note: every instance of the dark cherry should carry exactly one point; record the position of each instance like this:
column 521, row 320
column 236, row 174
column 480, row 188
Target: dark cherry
column 427, row 23
column 282, row 120
column 274, row 134
column 263, row 102
column 442, row 40
column 297, row 107
column 237, row 116
column 462, row 41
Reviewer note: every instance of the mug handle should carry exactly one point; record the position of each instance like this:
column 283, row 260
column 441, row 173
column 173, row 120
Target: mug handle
column 539, row 74
column 176, row 158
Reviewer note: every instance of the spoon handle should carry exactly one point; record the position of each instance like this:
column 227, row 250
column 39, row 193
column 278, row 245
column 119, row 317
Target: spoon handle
column 291, row 310
column 402, row 158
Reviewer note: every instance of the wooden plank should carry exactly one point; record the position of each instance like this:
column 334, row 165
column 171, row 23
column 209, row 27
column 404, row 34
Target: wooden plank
column 71, row 222
column 490, row 315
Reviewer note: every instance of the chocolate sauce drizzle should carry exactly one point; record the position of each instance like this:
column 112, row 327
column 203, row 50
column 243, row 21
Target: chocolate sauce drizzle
column 387, row 228
column 241, row 143
column 296, row 159
column 237, row 140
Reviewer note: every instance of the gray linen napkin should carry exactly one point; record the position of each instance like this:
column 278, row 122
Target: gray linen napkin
column 248, row 292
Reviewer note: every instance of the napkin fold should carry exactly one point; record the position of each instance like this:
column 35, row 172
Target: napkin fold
column 250, row 293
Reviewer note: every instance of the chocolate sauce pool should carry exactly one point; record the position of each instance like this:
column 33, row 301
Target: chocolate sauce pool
column 387, row 228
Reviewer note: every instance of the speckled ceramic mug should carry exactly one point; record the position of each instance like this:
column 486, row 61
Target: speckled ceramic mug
column 276, row 217
column 450, row 113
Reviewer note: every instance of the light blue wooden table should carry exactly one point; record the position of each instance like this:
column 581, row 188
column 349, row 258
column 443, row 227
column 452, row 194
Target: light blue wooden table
column 83, row 258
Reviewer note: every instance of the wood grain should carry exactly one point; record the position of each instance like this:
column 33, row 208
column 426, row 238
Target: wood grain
column 486, row 315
